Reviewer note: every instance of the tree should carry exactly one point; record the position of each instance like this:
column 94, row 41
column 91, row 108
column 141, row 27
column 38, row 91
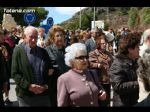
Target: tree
column 133, row 13
column 106, row 26
column 40, row 13
column 145, row 16
column 86, row 21
column 123, row 10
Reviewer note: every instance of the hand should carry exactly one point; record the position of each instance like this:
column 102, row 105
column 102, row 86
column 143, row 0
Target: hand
column 102, row 95
column 5, row 87
column 105, row 65
column 36, row 89
column 50, row 72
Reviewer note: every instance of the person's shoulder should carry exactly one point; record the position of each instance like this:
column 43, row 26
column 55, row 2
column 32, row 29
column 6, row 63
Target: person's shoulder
column 6, row 44
column 117, row 60
column 50, row 48
column 144, row 103
column 18, row 48
column 109, row 54
column 88, row 40
column 41, row 49
column 65, row 75
column 92, row 52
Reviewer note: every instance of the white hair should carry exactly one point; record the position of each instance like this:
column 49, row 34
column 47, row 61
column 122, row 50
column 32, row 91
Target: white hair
column 29, row 28
column 145, row 35
column 72, row 50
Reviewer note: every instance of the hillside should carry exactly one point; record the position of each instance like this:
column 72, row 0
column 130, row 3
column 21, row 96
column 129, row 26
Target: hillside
column 115, row 16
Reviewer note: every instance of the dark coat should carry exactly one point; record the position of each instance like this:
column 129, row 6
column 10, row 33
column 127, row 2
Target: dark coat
column 15, row 39
column 57, row 57
column 124, row 81
column 58, row 62
column 8, row 59
column 22, row 71
column 2, row 78
column 90, row 45
column 144, row 103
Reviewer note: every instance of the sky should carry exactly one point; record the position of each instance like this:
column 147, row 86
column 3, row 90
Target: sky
column 60, row 14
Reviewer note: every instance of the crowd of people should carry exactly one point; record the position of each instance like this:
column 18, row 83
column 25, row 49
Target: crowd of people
column 67, row 68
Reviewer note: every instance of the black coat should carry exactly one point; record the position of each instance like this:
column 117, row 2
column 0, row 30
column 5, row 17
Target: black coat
column 124, row 81
column 144, row 103
column 3, row 77
column 58, row 62
column 15, row 39
column 57, row 57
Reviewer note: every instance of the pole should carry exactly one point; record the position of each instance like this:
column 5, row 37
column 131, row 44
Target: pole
column 94, row 18
column 80, row 18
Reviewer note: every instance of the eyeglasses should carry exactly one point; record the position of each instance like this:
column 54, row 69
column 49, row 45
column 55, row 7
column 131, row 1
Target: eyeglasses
column 81, row 57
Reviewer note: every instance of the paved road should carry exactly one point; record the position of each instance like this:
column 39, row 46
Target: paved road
column 12, row 94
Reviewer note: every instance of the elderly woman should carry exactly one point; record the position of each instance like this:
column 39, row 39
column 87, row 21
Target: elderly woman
column 143, row 72
column 79, row 86
column 123, row 71
column 101, row 60
column 56, row 52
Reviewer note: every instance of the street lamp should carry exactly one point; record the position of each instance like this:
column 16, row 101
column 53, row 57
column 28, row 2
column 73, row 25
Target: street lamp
column 94, row 18
column 80, row 18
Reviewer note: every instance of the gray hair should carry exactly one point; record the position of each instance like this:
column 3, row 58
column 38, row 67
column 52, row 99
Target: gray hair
column 143, row 70
column 145, row 36
column 29, row 28
column 72, row 50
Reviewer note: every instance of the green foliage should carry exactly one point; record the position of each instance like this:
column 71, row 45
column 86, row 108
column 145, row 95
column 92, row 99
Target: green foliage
column 86, row 21
column 41, row 14
column 132, row 17
column 147, row 20
column 73, row 25
column 101, row 14
column 145, row 15
column 123, row 10
column 106, row 25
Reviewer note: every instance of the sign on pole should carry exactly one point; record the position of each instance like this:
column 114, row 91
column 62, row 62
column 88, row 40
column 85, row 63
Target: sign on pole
column 99, row 24
column 29, row 18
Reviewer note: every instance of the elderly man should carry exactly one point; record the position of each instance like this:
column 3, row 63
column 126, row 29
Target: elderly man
column 145, row 41
column 31, row 66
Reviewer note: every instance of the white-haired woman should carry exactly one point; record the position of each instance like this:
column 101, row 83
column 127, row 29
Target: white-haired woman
column 143, row 73
column 79, row 86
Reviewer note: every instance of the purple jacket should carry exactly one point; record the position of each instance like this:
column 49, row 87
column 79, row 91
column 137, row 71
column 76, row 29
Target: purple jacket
column 78, row 90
